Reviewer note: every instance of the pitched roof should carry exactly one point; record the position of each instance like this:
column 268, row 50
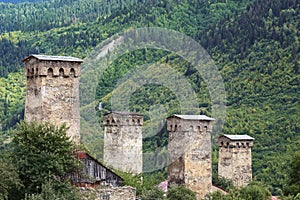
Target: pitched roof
column 84, row 155
column 53, row 58
column 238, row 137
column 194, row 117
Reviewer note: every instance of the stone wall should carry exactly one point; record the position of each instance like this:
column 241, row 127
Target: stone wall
column 123, row 141
column 109, row 193
column 190, row 154
column 53, row 93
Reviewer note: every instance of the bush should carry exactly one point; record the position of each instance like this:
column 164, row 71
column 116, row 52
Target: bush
column 154, row 194
column 255, row 191
column 55, row 190
column 180, row 193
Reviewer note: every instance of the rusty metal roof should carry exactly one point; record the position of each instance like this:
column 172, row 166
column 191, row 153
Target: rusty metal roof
column 53, row 58
column 238, row 137
column 194, row 117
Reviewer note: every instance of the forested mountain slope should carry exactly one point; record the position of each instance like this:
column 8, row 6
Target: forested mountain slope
column 255, row 45
column 258, row 53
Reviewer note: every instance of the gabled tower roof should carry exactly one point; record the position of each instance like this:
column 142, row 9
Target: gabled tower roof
column 53, row 58
column 238, row 137
column 193, row 117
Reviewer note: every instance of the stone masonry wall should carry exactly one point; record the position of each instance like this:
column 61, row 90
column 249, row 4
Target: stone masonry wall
column 109, row 193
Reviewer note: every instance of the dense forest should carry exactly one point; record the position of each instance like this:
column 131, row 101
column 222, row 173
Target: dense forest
column 254, row 43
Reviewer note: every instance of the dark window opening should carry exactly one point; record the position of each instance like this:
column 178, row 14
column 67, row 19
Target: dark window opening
column 50, row 72
column 61, row 72
column 72, row 72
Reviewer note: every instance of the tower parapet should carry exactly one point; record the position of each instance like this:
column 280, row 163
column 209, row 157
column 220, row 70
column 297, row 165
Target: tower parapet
column 53, row 91
column 123, row 141
column 190, row 152
column 235, row 159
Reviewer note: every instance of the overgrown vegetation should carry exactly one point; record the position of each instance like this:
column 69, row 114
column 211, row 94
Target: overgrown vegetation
column 37, row 162
column 251, row 192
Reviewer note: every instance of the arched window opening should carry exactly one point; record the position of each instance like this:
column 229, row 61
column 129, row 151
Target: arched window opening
column 50, row 72
column 61, row 72
column 72, row 72
column 191, row 128
column 37, row 71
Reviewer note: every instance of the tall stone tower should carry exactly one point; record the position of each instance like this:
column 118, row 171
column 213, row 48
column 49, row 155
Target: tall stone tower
column 190, row 152
column 53, row 91
column 123, row 141
column 235, row 161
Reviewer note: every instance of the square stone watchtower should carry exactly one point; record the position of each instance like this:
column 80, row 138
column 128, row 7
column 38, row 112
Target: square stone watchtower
column 190, row 152
column 235, row 161
column 53, row 91
column 123, row 141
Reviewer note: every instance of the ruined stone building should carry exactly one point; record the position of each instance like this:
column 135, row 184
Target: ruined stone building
column 123, row 141
column 235, row 159
column 53, row 91
column 190, row 152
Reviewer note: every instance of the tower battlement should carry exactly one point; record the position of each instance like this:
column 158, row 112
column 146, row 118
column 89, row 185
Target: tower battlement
column 53, row 66
column 123, row 119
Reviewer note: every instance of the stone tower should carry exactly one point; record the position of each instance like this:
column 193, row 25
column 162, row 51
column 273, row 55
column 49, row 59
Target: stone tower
column 53, row 91
column 235, row 162
column 123, row 141
column 190, row 152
